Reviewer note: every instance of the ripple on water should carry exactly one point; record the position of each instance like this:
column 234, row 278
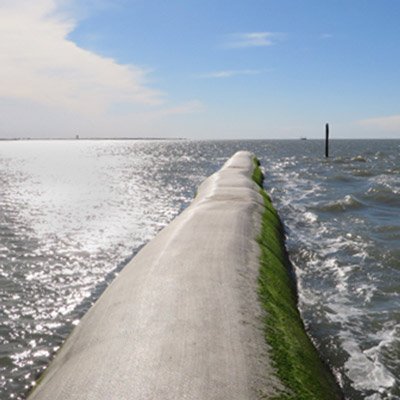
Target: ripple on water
column 73, row 213
column 71, row 216
column 345, row 262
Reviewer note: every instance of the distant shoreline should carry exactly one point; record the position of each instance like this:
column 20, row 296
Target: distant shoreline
column 189, row 139
column 95, row 138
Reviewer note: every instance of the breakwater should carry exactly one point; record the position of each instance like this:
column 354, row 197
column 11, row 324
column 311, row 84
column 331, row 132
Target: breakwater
column 183, row 319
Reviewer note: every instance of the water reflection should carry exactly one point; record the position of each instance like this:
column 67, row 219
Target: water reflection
column 73, row 213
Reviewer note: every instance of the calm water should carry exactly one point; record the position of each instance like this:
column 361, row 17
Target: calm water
column 73, row 213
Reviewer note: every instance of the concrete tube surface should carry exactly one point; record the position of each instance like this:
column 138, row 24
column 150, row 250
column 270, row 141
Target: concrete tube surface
column 182, row 320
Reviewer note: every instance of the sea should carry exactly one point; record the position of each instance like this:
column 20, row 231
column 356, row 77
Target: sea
column 73, row 213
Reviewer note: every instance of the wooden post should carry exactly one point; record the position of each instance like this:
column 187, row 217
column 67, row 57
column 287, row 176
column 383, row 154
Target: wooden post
column 326, row 140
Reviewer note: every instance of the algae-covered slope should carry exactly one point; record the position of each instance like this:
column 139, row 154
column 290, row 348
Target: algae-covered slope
column 294, row 356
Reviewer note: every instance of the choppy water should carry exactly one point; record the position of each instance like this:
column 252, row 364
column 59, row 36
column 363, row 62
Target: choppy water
column 72, row 213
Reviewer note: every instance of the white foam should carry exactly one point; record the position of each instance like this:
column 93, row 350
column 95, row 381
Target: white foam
column 365, row 370
column 310, row 217
column 332, row 260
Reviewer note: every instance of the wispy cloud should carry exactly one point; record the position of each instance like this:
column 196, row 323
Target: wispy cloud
column 190, row 107
column 326, row 36
column 39, row 63
column 385, row 124
column 252, row 39
column 230, row 73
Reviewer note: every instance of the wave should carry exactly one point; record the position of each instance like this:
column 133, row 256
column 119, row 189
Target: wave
column 359, row 159
column 362, row 172
column 383, row 194
column 341, row 178
column 347, row 160
column 349, row 202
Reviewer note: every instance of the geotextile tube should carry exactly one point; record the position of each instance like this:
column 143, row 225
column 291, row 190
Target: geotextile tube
column 194, row 315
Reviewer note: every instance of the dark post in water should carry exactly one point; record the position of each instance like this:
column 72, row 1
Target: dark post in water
column 326, row 140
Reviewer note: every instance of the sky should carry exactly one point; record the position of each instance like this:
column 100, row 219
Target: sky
column 210, row 69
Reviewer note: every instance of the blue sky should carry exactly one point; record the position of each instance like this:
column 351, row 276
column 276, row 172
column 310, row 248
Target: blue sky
column 200, row 69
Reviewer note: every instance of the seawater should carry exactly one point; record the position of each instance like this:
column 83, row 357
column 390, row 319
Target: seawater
column 73, row 213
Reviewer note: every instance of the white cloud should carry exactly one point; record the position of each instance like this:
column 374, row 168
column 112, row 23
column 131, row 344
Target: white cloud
column 39, row 63
column 386, row 124
column 326, row 36
column 230, row 73
column 50, row 87
column 252, row 39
